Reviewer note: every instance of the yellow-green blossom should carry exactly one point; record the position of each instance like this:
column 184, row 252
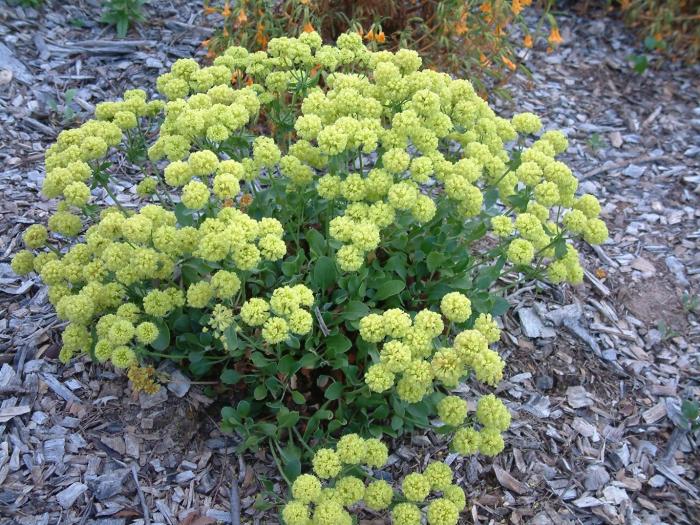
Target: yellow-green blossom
column 452, row 410
column 378, row 495
column 415, row 487
column 306, row 488
column 442, row 512
column 456, row 307
column 326, row 463
column 406, row 514
column 466, row 441
column 492, row 413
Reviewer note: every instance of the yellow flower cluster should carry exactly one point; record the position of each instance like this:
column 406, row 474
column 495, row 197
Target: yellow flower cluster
column 285, row 314
column 412, row 353
column 328, row 505
column 313, row 503
column 413, row 360
column 404, row 117
column 92, row 285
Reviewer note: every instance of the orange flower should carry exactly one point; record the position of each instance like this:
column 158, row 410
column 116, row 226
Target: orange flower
column 205, row 43
column 485, row 7
column 508, row 62
column 526, row 3
column 554, row 37
column 260, row 36
column 380, row 38
column 370, row 35
column 308, row 28
column 211, row 54
column 242, row 17
column 461, row 26
column 485, row 62
column 226, row 12
column 516, row 7
column 248, row 81
column 527, row 41
column 210, row 10
column 245, row 201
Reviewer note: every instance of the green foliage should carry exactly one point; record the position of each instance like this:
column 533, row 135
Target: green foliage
column 122, row 14
column 690, row 302
column 30, row 3
column 596, row 142
column 667, row 331
column 691, row 415
column 65, row 113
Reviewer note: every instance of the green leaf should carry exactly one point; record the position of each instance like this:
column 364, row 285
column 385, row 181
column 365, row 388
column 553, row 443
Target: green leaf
column 184, row 215
column 355, row 310
column 334, row 391
column 228, row 412
column 292, row 267
column 269, row 429
column 259, row 360
column 231, row 338
column 287, row 419
column 230, row 377
column 324, row 273
column 261, row 503
column 122, row 26
column 288, row 365
column 481, row 302
column 500, row 306
column 182, row 323
column 199, row 368
column 462, row 283
column 260, row 392
column 381, row 412
column 560, row 248
column 162, row 342
column 298, row 397
column 291, row 459
column 337, row 344
column 243, row 408
column 434, row 261
column 490, row 197
column 397, row 264
column 690, row 410
column 389, row 289
column 317, row 241
column 488, row 275
column 308, row 361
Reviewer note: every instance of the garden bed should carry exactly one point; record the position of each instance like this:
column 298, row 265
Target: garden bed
column 595, row 398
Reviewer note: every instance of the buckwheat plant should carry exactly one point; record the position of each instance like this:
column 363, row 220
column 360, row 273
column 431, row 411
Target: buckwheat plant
column 328, row 232
column 348, row 477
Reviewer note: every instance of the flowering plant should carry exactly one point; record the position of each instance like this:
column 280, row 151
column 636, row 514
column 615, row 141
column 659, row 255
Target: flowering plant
column 323, row 228
column 345, row 471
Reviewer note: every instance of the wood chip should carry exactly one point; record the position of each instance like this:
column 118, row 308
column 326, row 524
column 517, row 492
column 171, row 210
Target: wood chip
column 509, row 482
